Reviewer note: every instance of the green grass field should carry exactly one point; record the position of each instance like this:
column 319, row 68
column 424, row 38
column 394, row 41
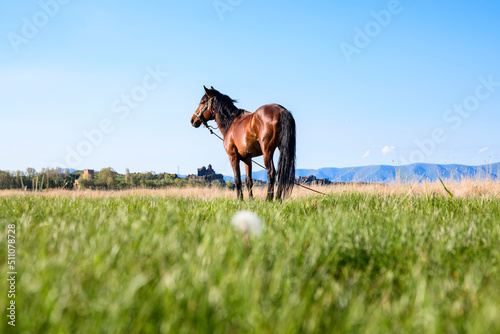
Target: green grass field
column 344, row 263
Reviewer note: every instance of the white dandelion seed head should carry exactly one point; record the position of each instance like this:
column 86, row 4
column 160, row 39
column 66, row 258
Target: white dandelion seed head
column 247, row 222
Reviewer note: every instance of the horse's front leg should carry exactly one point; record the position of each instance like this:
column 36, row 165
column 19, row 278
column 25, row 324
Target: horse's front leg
column 248, row 180
column 235, row 163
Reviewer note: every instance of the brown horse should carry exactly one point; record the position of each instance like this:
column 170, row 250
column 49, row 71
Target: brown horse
column 248, row 135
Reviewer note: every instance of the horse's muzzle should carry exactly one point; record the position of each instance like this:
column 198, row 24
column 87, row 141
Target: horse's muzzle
column 195, row 122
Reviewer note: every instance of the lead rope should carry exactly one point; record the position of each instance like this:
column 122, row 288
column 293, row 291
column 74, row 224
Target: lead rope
column 255, row 162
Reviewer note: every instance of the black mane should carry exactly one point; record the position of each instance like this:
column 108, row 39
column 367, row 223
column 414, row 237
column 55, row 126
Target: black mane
column 224, row 108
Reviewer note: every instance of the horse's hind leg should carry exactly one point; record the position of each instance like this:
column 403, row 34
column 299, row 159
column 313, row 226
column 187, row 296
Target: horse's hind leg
column 271, row 175
column 248, row 180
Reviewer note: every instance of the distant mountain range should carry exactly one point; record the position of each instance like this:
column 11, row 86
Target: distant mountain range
column 387, row 174
column 418, row 172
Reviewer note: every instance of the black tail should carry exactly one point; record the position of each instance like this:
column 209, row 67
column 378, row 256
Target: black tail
column 286, row 165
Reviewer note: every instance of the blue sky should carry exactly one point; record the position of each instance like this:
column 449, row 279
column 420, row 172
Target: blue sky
column 422, row 84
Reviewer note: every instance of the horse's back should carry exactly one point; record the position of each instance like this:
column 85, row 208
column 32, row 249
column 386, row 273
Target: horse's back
column 268, row 114
column 270, row 110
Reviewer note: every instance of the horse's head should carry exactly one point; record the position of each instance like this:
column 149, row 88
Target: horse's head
column 204, row 113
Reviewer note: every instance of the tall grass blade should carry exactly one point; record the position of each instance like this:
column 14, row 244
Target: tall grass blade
column 444, row 186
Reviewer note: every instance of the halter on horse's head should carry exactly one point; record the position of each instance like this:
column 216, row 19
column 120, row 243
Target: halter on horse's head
column 204, row 113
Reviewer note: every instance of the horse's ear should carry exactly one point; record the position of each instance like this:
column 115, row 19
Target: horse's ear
column 207, row 91
column 212, row 88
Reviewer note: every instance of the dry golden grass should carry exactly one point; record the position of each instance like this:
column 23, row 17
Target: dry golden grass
column 465, row 188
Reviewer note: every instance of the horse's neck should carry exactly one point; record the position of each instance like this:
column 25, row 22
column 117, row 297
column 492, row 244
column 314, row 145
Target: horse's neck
column 219, row 123
column 217, row 120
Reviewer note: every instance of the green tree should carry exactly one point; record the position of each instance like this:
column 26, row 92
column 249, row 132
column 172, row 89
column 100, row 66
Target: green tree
column 107, row 178
column 6, row 180
column 127, row 176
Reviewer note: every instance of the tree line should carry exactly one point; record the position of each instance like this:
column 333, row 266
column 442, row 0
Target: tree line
column 105, row 179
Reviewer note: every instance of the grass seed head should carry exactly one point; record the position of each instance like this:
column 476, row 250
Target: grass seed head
column 247, row 222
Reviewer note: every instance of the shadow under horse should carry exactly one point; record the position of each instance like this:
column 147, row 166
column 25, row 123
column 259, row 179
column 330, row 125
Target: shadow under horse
column 247, row 135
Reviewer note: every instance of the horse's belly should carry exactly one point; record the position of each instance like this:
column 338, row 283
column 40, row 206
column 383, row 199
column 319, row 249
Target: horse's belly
column 251, row 151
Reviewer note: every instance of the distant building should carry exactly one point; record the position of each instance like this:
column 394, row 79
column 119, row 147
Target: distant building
column 88, row 174
column 203, row 171
column 207, row 174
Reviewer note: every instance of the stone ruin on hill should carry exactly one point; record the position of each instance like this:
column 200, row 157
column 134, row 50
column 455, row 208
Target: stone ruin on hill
column 206, row 174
